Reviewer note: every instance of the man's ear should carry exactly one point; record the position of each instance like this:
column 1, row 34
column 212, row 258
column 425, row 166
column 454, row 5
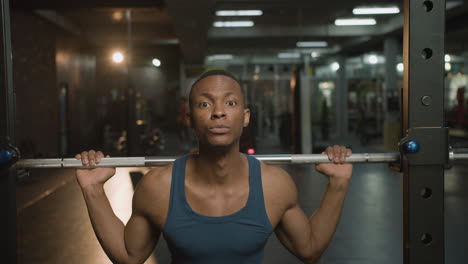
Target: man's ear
column 246, row 117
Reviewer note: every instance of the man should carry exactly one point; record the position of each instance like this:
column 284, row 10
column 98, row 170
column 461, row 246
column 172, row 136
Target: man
column 217, row 206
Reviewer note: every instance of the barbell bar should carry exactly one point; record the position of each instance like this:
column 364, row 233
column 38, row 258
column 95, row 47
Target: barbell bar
column 454, row 155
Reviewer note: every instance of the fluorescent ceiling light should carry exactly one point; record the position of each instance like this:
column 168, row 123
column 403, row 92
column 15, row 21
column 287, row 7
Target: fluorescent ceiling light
column 335, row 66
column 289, row 55
column 220, row 57
column 156, row 62
column 376, row 10
column 233, row 24
column 373, row 59
column 447, row 58
column 311, row 44
column 448, row 66
column 355, row 22
column 239, row 13
column 400, row 67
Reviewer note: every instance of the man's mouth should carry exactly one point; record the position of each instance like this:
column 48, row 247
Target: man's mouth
column 219, row 129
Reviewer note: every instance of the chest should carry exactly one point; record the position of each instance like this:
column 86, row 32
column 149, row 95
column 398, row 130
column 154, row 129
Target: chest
column 216, row 242
column 220, row 203
column 227, row 202
column 217, row 201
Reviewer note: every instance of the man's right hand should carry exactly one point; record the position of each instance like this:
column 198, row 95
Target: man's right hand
column 92, row 176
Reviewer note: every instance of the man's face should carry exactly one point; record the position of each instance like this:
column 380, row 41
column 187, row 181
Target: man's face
column 217, row 114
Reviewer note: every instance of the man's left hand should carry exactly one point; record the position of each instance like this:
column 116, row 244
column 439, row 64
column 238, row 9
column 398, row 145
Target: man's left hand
column 337, row 170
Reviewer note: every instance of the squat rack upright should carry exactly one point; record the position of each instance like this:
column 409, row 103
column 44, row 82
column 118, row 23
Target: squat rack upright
column 7, row 129
column 423, row 121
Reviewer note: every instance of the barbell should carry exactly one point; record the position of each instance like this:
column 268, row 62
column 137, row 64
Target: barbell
column 454, row 155
column 10, row 155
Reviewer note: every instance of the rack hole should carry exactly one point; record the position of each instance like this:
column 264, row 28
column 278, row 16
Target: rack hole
column 426, row 193
column 426, row 239
column 427, row 53
column 428, row 5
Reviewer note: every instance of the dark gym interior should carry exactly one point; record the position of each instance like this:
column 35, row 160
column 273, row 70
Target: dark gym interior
column 111, row 75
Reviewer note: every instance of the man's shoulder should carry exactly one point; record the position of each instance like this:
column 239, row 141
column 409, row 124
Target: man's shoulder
column 278, row 182
column 155, row 184
column 160, row 175
column 152, row 194
column 274, row 173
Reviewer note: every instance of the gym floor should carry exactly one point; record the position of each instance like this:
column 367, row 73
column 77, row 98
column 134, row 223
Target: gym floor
column 53, row 224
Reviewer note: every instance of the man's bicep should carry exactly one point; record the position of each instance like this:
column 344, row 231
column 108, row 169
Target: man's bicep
column 140, row 238
column 293, row 231
column 141, row 232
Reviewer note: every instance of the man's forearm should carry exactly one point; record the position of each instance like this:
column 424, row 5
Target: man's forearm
column 107, row 226
column 324, row 221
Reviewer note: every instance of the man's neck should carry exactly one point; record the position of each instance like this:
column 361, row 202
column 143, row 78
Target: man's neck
column 218, row 167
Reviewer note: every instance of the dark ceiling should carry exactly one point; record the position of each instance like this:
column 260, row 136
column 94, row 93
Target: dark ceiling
column 189, row 25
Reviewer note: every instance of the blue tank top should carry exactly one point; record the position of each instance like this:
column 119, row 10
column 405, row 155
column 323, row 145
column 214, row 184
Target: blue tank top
column 238, row 238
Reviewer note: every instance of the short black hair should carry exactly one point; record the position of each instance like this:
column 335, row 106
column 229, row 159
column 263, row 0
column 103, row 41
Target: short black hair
column 216, row 72
column 212, row 73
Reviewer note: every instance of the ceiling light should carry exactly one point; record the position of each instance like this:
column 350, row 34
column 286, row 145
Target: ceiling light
column 289, row 55
column 117, row 15
column 156, row 62
column 314, row 54
column 447, row 58
column 239, row 13
column 117, row 57
column 311, row 44
column 220, row 57
column 373, row 59
column 355, row 22
column 448, row 66
column 233, row 24
column 400, row 67
column 376, row 10
column 324, row 85
column 335, row 66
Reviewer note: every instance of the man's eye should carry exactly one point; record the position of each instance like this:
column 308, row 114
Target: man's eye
column 204, row 104
column 232, row 103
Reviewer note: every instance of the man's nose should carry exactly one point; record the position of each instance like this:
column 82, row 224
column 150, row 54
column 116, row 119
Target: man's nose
column 218, row 112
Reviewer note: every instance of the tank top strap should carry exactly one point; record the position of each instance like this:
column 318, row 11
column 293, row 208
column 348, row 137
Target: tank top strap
column 255, row 179
column 256, row 205
column 176, row 200
column 178, row 175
